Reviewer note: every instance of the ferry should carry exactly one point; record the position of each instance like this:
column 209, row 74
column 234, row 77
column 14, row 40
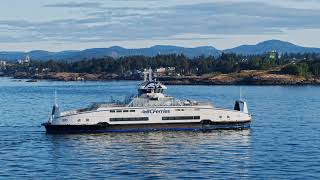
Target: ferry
column 150, row 110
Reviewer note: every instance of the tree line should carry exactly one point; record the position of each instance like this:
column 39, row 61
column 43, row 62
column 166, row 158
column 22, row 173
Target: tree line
column 297, row 64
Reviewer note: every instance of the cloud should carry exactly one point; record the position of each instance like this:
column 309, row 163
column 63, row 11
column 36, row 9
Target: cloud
column 139, row 23
column 76, row 5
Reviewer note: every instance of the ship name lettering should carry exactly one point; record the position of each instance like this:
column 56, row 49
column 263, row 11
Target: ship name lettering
column 157, row 111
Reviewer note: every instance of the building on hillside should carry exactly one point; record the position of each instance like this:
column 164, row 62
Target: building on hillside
column 3, row 65
column 162, row 71
column 27, row 60
column 273, row 55
column 135, row 74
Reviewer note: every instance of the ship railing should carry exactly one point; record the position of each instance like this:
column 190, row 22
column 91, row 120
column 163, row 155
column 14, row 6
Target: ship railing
column 92, row 107
column 141, row 102
column 96, row 106
column 111, row 105
column 69, row 112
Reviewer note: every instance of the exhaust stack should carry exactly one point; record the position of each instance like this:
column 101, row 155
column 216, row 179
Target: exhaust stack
column 241, row 106
column 55, row 109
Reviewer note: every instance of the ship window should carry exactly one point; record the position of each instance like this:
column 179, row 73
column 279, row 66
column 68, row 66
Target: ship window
column 79, row 120
column 228, row 116
column 181, row 118
column 130, row 119
column 112, row 111
column 220, row 116
column 125, row 111
column 87, row 120
column 119, row 111
column 132, row 111
column 64, row 120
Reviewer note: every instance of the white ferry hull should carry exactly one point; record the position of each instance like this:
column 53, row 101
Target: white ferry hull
column 151, row 110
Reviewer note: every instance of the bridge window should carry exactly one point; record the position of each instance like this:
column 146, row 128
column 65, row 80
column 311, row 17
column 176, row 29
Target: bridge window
column 64, row 120
column 125, row 110
column 132, row 110
column 112, row 111
column 181, row 118
column 130, row 119
column 119, row 111
column 179, row 109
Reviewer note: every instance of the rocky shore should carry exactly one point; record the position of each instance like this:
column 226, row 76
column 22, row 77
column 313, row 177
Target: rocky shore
column 242, row 78
column 64, row 76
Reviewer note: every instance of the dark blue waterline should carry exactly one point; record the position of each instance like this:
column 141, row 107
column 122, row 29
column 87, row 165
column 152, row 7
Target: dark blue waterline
column 214, row 127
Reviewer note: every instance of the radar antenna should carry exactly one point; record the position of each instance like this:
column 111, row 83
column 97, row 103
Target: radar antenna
column 55, row 98
column 145, row 75
column 55, row 109
column 150, row 74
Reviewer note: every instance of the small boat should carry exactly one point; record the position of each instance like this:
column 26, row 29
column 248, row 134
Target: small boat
column 150, row 110
column 32, row 80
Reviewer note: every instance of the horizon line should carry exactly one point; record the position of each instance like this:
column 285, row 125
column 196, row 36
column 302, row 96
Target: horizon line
column 82, row 49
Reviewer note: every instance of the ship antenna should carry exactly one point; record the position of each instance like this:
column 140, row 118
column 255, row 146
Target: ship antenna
column 55, row 109
column 55, row 98
column 145, row 75
column 150, row 74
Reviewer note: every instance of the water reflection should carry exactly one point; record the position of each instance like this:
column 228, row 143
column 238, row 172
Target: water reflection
column 283, row 141
column 156, row 154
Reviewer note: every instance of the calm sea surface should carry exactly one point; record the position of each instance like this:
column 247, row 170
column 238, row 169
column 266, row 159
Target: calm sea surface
column 283, row 142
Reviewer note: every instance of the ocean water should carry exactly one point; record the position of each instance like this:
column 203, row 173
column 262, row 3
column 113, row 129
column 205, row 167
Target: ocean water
column 283, row 142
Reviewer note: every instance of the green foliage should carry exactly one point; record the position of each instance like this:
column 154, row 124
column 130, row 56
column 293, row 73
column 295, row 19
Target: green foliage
column 300, row 64
column 301, row 69
column 315, row 69
column 290, row 69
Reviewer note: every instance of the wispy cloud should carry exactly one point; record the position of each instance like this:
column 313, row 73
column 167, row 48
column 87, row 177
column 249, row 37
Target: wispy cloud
column 103, row 23
column 76, row 5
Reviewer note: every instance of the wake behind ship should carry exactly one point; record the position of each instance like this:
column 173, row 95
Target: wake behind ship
column 150, row 110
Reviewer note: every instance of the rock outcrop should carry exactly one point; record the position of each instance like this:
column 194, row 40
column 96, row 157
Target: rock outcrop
column 242, row 78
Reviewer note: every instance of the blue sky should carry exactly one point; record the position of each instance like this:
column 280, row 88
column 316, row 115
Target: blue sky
column 64, row 24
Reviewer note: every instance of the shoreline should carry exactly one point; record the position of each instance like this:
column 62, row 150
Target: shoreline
column 262, row 78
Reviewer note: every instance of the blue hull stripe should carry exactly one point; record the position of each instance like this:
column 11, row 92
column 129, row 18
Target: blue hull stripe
column 204, row 128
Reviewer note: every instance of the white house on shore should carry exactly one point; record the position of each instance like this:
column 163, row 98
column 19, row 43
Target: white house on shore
column 25, row 61
column 3, row 65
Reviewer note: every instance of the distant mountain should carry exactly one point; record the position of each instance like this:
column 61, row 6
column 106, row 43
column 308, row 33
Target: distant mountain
column 266, row 46
column 114, row 51
column 117, row 51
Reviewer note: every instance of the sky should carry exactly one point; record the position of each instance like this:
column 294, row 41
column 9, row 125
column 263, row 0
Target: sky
column 57, row 25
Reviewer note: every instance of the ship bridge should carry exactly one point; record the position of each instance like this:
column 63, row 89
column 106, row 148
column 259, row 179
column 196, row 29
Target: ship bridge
column 164, row 101
column 150, row 84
